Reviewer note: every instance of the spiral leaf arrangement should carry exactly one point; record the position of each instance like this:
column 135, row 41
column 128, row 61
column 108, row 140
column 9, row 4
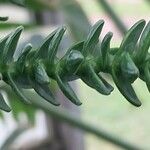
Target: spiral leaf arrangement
column 34, row 69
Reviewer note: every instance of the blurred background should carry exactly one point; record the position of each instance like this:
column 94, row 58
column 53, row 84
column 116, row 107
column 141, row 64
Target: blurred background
column 28, row 128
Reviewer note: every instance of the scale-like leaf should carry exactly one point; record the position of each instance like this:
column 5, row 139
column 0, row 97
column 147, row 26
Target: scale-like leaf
column 124, row 85
column 93, row 38
column 17, row 89
column 22, row 57
column 93, row 80
column 3, row 105
column 73, row 61
column 55, row 43
column 2, row 45
column 44, row 91
column 77, row 46
column 40, row 74
column 67, row 90
column 130, row 40
column 144, row 45
column 11, row 45
column 105, row 48
column 108, row 86
column 147, row 74
column 128, row 68
column 43, row 50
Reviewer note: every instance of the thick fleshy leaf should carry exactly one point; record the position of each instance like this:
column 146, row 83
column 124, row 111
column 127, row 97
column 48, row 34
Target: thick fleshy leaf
column 105, row 48
column 25, row 50
column 2, row 46
column 93, row 38
column 124, row 85
column 67, row 90
column 78, row 47
column 3, row 105
column 109, row 87
column 128, row 68
column 43, row 50
column 89, row 76
column 40, row 74
column 17, row 89
column 144, row 45
column 44, row 91
column 130, row 40
column 55, row 43
column 147, row 74
column 73, row 61
column 11, row 45
column 22, row 58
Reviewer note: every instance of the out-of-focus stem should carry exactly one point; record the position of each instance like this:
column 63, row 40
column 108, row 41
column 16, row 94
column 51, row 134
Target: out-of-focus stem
column 63, row 115
column 122, row 28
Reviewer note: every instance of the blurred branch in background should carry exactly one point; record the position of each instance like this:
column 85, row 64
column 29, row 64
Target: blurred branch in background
column 13, row 136
column 110, row 11
column 63, row 115
column 148, row 1
column 5, row 26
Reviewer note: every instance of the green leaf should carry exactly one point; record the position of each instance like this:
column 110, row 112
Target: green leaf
column 144, row 45
column 130, row 39
column 105, row 48
column 66, row 89
column 93, row 38
column 11, row 45
column 128, row 68
column 2, row 46
column 44, row 91
column 78, row 46
column 55, row 43
column 22, row 57
column 89, row 76
column 108, row 86
column 17, row 89
column 25, row 50
column 73, row 61
column 123, row 84
column 40, row 74
column 3, row 105
column 43, row 50
column 147, row 74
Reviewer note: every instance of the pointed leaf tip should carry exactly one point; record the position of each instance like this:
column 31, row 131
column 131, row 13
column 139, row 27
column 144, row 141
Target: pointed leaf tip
column 11, row 44
column 67, row 90
column 94, row 81
column 130, row 39
column 3, row 105
column 55, row 43
column 44, row 91
column 93, row 38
